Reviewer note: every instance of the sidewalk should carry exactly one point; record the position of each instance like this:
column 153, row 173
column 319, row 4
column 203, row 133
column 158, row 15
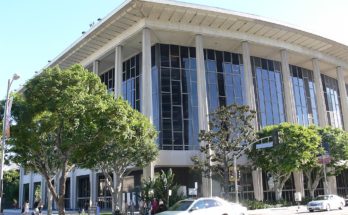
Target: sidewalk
column 18, row 212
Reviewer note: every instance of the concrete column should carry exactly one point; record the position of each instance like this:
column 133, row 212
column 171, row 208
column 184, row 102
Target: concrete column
column 257, row 184
column 43, row 185
column 21, row 187
column 73, row 189
column 96, row 67
column 92, row 185
column 31, row 190
column 288, row 89
column 290, row 111
column 343, row 96
column 118, row 71
column 203, row 118
column 299, row 183
column 319, row 93
column 250, row 101
column 332, row 184
column 248, row 78
column 146, row 89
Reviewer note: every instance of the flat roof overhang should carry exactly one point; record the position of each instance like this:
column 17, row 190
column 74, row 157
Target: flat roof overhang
column 168, row 16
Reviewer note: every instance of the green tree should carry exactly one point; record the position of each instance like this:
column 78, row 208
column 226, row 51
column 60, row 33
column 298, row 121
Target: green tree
column 231, row 127
column 11, row 188
column 335, row 140
column 127, row 140
column 160, row 186
column 297, row 147
column 56, row 115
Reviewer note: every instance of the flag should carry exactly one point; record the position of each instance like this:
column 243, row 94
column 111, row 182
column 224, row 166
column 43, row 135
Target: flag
column 8, row 117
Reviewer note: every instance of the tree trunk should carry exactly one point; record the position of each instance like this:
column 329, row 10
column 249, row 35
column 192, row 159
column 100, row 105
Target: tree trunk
column 226, row 184
column 278, row 189
column 61, row 209
column 312, row 185
column 279, row 183
column 116, row 195
column 309, row 183
column 114, row 186
column 62, row 180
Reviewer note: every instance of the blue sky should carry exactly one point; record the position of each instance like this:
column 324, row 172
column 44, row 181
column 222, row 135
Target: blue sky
column 33, row 32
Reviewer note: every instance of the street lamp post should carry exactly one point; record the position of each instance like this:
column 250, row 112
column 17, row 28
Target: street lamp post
column 4, row 126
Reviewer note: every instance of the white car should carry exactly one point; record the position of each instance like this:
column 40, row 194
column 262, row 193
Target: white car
column 205, row 206
column 326, row 202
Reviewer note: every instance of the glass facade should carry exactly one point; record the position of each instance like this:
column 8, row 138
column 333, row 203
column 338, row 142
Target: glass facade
column 176, row 100
column 224, row 77
column 304, row 93
column 108, row 79
column 268, row 90
column 131, row 81
column 332, row 101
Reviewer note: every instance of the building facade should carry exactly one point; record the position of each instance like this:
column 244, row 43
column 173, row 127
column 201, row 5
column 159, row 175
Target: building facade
column 176, row 62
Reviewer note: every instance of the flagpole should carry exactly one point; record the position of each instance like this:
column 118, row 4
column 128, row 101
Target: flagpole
column 4, row 136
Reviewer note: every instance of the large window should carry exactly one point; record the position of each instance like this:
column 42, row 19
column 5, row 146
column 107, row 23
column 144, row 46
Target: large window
column 225, row 78
column 269, row 91
column 131, row 81
column 304, row 93
column 108, row 79
column 332, row 101
column 83, row 191
column 178, row 106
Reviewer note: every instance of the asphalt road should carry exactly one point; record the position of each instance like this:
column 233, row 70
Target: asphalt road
column 296, row 210
column 270, row 211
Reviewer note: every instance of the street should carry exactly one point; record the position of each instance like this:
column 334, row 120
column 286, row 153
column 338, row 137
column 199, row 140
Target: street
column 296, row 210
column 269, row 211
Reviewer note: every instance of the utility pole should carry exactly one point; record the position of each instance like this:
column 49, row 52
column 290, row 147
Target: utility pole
column 4, row 136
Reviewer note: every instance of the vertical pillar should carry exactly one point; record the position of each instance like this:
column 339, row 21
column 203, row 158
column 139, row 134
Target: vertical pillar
column 146, row 89
column 299, row 182
column 93, row 192
column 343, row 96
column 319, row 93
column 96, row 67
column 73, row 189
column 250, row 101
column 331, row 183
column 118, row 71
column 288, row 89
column 248, row 78
column 42, row 191
column 31, row 190
column 330, row 187
column 202, row 104
column 21, row 186
column 257, row 184
column 290, row 110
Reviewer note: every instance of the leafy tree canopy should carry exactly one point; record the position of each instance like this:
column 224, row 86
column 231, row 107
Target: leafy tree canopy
column 56, row 115
column 298, row 146
column 231, row 128
column 126, row 139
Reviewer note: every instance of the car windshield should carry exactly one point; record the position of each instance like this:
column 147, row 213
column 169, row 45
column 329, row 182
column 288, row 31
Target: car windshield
column 322, row 198
column 181, row 206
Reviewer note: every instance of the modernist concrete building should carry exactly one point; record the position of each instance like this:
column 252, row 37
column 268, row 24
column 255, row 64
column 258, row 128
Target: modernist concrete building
column 176, row 62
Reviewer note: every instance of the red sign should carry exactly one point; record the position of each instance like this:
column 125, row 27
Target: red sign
column 324, row 159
